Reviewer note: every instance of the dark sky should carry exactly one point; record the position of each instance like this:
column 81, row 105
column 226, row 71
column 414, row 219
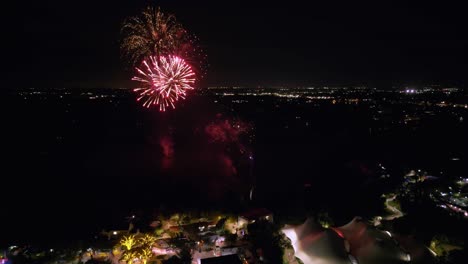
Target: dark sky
column 76, row 43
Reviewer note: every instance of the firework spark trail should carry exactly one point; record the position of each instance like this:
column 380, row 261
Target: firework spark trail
column 165, row 79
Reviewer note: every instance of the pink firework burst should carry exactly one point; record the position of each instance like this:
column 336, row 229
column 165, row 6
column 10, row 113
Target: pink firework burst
column 165, row 79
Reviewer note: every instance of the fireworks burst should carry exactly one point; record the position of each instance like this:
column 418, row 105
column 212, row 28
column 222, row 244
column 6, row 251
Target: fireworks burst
column 165, row 80
column 154, row 33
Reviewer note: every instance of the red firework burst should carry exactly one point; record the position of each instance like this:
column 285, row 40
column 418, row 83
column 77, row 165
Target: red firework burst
column 165, row 79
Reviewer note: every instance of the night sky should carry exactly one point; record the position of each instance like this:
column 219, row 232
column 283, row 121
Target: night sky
column 76, row 44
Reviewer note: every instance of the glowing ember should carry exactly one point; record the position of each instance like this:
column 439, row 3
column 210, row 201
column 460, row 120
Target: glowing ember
column 165, row 80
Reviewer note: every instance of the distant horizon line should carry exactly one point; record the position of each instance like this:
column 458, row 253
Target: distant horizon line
column 259, row 86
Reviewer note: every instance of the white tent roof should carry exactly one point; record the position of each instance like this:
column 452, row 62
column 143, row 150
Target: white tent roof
column 366, row 244
column 315, row 245
column 370, row 245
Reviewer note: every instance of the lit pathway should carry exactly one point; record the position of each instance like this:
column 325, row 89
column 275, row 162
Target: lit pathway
column 395, row 212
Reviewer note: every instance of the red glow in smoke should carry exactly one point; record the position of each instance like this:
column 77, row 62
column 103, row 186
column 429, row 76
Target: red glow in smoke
column 227, row 130
column 167, row 146
column 229, row 167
